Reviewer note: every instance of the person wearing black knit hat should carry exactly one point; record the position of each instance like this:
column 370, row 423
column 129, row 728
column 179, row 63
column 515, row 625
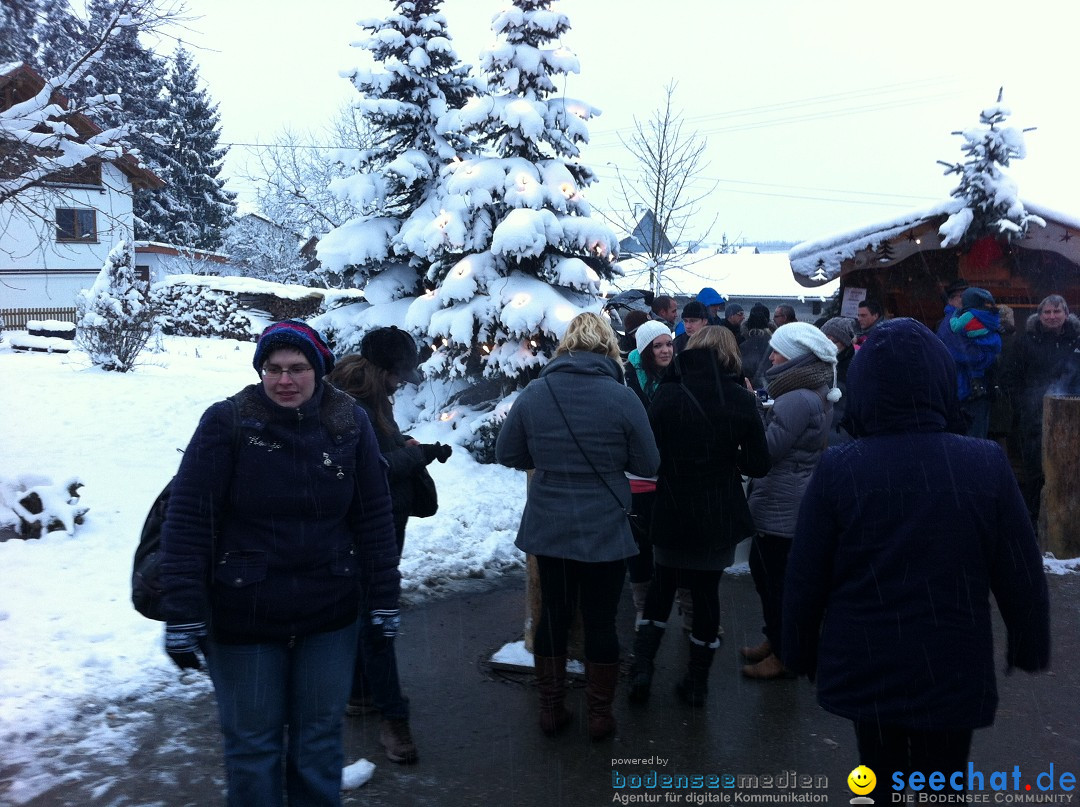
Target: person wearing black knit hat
column 387, row 359
column 278, row 518
column 755, row 347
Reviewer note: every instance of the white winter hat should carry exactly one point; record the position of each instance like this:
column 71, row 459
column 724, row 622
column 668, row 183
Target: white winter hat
column 797, row 339
column 647, row 331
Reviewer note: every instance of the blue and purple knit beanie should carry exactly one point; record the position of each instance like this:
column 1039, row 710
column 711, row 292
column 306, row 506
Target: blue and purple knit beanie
column 292, row 333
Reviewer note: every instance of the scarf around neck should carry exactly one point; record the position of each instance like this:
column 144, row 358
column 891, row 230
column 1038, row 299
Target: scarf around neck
column 807, row 372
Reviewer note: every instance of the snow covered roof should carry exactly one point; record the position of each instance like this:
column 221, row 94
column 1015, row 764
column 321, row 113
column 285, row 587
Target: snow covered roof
column 19, row 82
column 158, row 248
column 248, row 285
column 825, row 259
column 763, row 276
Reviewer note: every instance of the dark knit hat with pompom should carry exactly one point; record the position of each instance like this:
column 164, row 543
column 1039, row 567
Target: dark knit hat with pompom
column 292, row 333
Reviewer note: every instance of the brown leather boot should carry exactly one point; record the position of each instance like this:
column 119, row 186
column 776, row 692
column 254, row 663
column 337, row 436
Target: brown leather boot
column 767, row 669
column 397, row 741
column 758, row 653
column 600, row 683
column 551, row 684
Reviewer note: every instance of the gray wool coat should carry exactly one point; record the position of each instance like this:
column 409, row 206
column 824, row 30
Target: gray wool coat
column 797, row 431
column 570, row 512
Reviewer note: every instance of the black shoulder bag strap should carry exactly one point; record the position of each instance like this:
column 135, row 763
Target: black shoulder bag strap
column 611, row 490
column 697, row 404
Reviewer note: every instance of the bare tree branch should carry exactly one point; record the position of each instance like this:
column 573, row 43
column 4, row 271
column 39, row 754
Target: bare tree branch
column 668, row 163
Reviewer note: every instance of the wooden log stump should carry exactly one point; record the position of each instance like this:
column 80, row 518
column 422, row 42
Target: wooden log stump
column 1059, row 513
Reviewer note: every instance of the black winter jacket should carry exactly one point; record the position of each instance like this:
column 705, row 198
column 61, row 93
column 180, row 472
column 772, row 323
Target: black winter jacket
column 275, row 531
column 699, row 494
column 902, row 536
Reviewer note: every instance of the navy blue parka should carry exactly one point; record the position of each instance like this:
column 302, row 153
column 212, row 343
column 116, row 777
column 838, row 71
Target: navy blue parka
column 902, row 536
column 279, row 520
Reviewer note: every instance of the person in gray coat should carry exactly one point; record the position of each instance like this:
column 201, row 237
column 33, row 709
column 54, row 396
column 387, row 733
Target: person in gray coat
column 581, row 429
column 802, row 384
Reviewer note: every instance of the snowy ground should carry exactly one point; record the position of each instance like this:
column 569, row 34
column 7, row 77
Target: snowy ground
column 75, row 653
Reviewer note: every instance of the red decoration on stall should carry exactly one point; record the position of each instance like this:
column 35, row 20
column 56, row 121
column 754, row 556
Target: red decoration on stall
column 985, row 252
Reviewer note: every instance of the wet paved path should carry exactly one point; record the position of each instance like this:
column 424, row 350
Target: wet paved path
column 479, row 744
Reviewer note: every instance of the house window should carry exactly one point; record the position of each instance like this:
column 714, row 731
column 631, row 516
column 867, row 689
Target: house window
column 76, row 224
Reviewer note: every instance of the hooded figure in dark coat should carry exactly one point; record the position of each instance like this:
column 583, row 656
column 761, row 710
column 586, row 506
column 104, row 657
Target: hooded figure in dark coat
column 901, row 537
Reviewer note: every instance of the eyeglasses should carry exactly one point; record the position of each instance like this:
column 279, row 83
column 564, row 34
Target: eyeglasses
column 273, row 372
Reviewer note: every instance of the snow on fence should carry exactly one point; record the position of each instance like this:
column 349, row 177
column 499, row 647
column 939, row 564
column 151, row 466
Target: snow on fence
column 16, row 319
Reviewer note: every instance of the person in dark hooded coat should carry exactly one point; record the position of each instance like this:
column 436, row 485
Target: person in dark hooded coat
column 901, row 537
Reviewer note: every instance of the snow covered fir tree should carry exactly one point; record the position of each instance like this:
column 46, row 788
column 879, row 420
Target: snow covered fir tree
column 480, row 243
column 514, row 253
column 191, row 164
column 992, row 204
column 136, row 76
column 115, row 317
column 419, row 78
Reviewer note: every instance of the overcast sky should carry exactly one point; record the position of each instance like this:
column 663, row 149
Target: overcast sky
column 820, row 117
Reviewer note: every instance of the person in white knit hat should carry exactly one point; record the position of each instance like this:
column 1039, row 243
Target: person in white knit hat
column 802, row 384
column 645, row 366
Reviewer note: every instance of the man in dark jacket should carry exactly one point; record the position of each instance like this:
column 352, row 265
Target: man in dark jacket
column 1038, row 358
column 901, row 537
column 733, row 321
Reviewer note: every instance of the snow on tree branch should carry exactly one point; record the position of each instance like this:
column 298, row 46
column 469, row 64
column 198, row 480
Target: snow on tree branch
column 992, row 204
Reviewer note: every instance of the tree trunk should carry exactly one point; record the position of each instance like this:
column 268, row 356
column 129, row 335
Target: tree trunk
column 1059, row 514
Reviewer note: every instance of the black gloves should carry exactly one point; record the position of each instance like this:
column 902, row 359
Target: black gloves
column 386, row 621
column 184, row 642
column 436, row 451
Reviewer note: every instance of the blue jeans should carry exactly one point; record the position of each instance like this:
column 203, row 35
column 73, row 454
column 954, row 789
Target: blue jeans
column 265, row 689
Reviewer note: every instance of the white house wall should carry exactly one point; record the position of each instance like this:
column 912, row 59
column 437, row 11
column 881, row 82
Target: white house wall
column 37, row 271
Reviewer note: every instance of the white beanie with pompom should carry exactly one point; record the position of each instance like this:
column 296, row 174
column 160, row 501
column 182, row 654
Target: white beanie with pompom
column 797, row 339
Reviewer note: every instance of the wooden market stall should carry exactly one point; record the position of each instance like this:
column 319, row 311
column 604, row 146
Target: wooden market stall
column 902, row 263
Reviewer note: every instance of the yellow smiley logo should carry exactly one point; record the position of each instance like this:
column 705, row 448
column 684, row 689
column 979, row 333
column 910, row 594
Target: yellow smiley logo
column 861, row 780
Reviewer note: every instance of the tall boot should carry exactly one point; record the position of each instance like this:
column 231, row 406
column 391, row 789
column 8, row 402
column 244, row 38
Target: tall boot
column 694, row 688
column 600, row 683
column 646, row 643
column 551, row 684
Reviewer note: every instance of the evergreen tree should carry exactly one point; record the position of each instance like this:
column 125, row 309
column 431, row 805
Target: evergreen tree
column 192, row 161
column 513, row 252
column 401, row 105
column 992, row 205
column 17, row 21
column 138, row 76
column 116, row 318
column 61, row 37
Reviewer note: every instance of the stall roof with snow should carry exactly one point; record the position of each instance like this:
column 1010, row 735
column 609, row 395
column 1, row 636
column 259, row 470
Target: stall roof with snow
column 906, row 262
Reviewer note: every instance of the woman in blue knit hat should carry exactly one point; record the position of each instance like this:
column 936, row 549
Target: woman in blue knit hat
column 279, row 521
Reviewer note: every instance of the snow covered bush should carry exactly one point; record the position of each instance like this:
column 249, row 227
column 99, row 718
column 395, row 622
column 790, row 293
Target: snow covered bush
column 199, row 311
column 31, row 505
column 115, row 315
column 482, row 444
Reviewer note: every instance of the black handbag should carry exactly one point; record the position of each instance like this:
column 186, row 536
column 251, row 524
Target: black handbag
column 425, row 498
